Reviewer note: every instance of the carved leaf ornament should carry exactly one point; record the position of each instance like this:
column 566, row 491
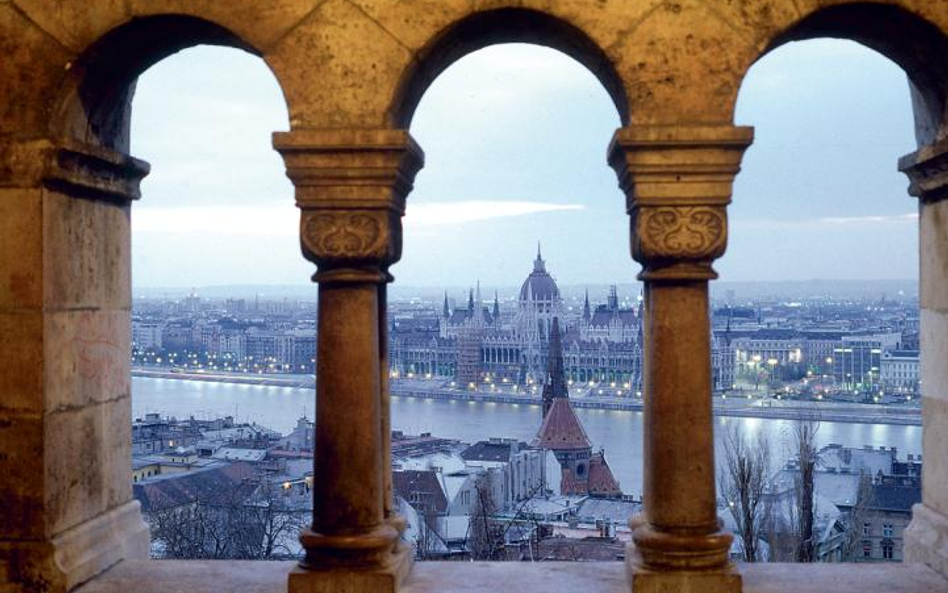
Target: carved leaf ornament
column 687, row 233
column 344, row 236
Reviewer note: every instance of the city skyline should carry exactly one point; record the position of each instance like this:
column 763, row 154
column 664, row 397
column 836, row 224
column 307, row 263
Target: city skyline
column 526, row 163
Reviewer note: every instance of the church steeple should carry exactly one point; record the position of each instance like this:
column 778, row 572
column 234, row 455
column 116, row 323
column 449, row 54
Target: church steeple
column 555, row 386
column 470, row 302
column 496, row 311
column 445, row 311
column 587, row 313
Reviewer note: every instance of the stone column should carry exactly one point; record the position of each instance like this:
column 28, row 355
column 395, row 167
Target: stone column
column 66, row 506
column 677, row 180
column 926, row 538
column 350, row 188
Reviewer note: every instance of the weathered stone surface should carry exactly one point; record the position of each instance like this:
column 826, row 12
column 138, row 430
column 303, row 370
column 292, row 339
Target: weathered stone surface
column 32, row 67
column 934, row 364
column 22, row 513
column 933, row 255
column 935, row 468
column 21, row 362
column 88, row 462
column 87, row 354
column 354, row 69
column 523, row 577
column 926, row 538
column 21, row 232
column 87, row 253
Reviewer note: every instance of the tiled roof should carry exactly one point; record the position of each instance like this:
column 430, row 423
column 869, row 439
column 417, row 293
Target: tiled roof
column 205, row 484
column 420, row 487
column 601, row 480
column 561, row 428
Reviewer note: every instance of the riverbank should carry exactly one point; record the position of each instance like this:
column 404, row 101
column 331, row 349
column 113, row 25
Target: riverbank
column 738, row 407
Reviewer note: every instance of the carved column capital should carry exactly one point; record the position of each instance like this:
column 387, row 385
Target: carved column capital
column 350, row 187
column 927, row 170
column 678, row 182
column 93, row 172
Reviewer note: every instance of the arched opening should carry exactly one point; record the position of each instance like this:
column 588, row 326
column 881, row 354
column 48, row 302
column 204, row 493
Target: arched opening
column 217, row 213
column 514, row 138
column 96, row 105
column 809, row 327
column 501, row 26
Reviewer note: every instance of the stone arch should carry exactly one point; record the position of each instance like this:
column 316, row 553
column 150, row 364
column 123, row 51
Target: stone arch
column 918, row 46
column 504, row 25
column 95, row 103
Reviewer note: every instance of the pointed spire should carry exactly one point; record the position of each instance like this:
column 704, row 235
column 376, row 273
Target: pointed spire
column 496, row 312
column 587, row 313
column 556, row 378
column 538, row 263
column 445, row 311
column 470, row 301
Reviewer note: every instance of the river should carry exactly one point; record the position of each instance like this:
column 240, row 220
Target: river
column 618, row 432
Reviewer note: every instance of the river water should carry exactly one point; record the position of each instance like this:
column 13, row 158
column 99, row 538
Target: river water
column 618, row 432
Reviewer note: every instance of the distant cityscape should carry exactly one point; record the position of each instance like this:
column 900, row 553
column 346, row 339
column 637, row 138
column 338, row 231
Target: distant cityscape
column 820, row 348
column 554, row 496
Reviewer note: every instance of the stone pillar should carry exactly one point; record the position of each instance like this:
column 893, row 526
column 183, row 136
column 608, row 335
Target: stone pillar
column 677, row 180
column 926, row 538
column 66, row 506
column 350, row 188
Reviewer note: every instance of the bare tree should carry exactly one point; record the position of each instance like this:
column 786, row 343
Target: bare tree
column 251, row 521
column 743, row 482
column 485, row 535
column 804, row 432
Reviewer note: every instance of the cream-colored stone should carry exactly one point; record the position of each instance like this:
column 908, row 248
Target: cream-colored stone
column 87, row 255
column 934, row 363
column 383, row 580
column 87, row 355
column 22, row 511
column 197, row 576
column 97, row 544
column 32, row 66
column 21, row 362
column 258, row 24
column 74, row 24
column 934, row 443
column 326, row 89
column 926, row 538
column 21, row 233
column 933, row 257
column 87, row 462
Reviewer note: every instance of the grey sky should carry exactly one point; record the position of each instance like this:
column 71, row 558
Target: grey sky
column 515, row 140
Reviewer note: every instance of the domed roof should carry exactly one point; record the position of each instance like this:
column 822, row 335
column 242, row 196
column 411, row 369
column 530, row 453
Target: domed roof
column 539, row 285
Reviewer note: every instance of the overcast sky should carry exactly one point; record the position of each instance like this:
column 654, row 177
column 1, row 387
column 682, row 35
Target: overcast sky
column 515, row 139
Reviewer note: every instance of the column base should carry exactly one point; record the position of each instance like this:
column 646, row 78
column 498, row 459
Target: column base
column 642, row 580
column 78, row 554
column 926, row 538
column 385, row 579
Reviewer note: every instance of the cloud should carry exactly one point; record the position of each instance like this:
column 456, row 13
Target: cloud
column 815, row 223
column 861, row 220
column 451, row 213
column 283, row 219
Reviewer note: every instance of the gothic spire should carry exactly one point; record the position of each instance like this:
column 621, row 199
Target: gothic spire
column 445, row 311
column 470, row 302
column 555, row 377
column 496, row 311
column 587, row 313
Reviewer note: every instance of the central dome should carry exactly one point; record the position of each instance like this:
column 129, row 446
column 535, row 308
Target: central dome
column 539, row 285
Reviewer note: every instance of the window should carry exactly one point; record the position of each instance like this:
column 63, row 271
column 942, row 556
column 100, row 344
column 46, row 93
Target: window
column 867, row 528
column 887, row 530
column 867, row 550
column 887, row 551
